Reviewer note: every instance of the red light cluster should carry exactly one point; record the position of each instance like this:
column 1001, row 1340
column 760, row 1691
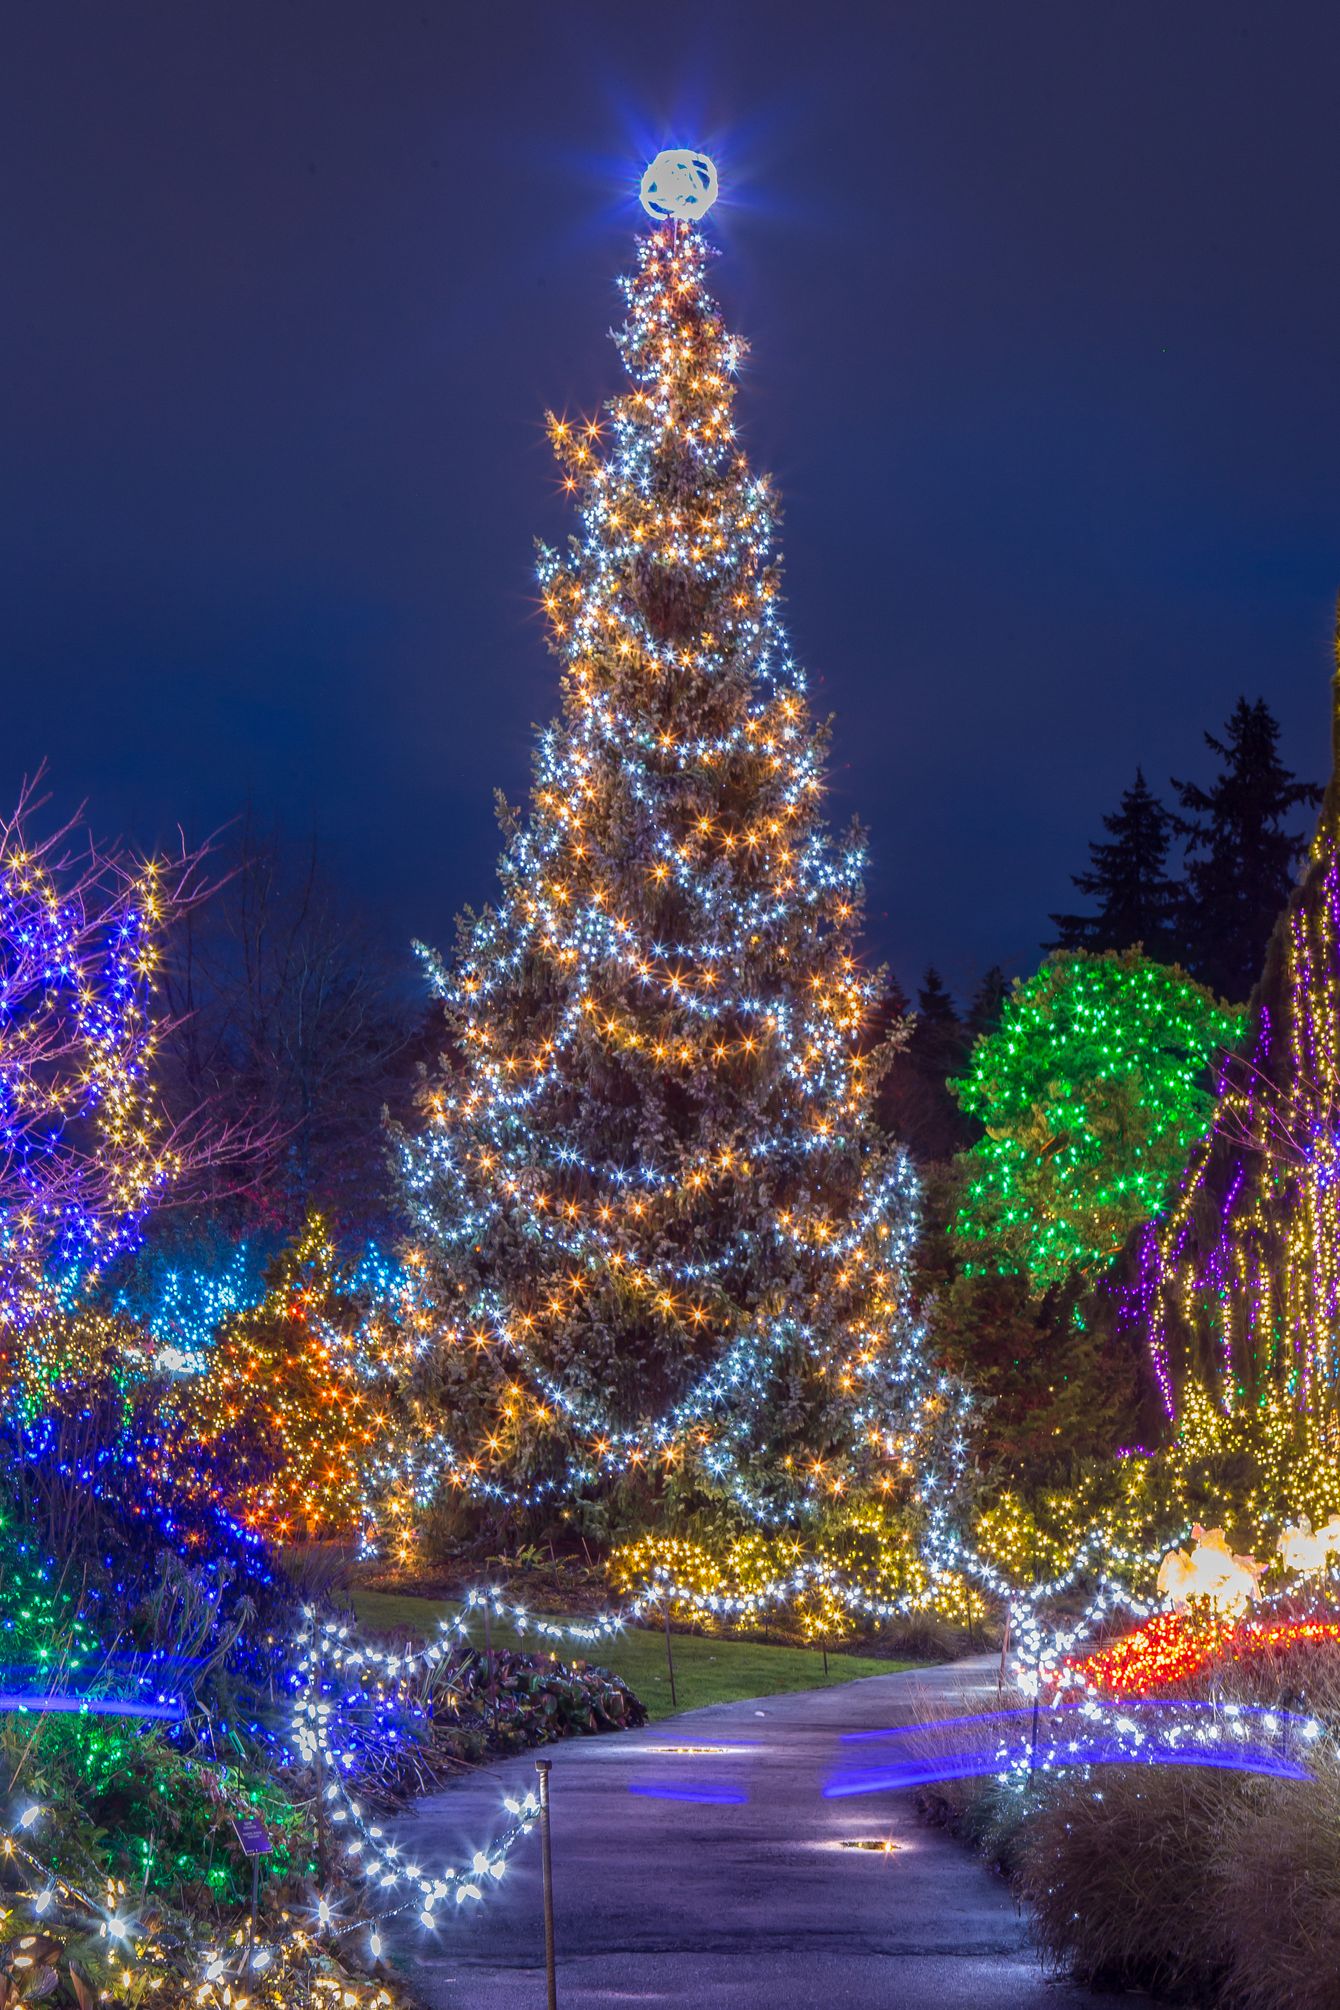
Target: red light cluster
column 1175, row 1647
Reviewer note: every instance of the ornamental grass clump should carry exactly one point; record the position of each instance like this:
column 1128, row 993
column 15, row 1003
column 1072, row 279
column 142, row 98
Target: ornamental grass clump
column 1210, row 1887
column 1117, row 1870
column 1218, row 1889
column 1277, row 1870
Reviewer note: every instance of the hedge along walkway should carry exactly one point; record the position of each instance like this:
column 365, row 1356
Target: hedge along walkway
column 706, row 1670
column 719, row 1877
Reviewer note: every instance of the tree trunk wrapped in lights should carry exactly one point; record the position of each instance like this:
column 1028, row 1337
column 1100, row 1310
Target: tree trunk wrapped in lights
column 661, row 1245
column 1240, row 1282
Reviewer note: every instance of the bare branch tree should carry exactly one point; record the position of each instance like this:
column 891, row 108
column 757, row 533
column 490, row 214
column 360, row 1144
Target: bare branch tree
column 288, row 1015
column 86, row 1145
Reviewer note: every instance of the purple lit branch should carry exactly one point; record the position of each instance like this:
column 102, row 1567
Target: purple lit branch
column 85, row 1146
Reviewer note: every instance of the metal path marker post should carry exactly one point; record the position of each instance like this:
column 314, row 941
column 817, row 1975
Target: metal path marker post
column 542, row 1767
column 492, row 1681
column 670, row 1658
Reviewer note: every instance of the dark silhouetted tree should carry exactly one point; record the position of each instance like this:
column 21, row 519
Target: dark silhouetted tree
column 1052, row 1382
column 1136, row 901
column 988, row 1003
column 915, row 1105
column 288, row 1013
column 1241, row 855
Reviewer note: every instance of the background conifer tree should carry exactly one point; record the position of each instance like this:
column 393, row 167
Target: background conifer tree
column 1137, row 902
column 662, row 1244
column 915, row 1105
column 1241, row 853
column 988, row 1003
column 939, row 1032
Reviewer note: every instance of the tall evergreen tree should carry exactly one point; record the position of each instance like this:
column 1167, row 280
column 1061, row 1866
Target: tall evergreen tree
column 915, row 1104
column 939, row 1031
column 1137, row 902
column 1241, row 854
column 988, row 1003
column 938, row 1048
column 662, row 1241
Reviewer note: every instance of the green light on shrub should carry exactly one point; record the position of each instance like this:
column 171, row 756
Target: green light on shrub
column 1092, row 1092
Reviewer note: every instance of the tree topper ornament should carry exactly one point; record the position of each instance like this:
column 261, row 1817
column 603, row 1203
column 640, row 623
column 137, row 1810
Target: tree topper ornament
column 679, row 185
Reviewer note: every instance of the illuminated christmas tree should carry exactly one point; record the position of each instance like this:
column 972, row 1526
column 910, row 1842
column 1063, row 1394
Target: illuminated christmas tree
column 293, row 1383
column 1091, row 1089
column 663, row 1246
column 1240, row 1283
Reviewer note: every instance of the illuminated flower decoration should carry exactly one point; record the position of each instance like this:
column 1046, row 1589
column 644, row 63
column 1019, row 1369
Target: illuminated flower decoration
column 1308, row 1550
column 679, row 185
column 1209, row 1571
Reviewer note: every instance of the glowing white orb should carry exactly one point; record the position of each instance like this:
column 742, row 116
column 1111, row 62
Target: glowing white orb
column 679, row 184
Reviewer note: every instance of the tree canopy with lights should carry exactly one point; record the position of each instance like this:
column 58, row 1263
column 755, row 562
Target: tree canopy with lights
column 1092, row 1092
column 87, row 1145
column 660, row 1242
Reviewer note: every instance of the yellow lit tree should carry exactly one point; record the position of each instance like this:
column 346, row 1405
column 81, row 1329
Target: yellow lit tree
column 1240, row 1282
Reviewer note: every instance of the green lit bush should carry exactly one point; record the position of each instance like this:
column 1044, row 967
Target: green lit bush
column 1092, row 1093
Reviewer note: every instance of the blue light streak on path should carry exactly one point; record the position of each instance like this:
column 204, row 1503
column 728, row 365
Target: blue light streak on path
column 702, row 1792
column 1252, row 1740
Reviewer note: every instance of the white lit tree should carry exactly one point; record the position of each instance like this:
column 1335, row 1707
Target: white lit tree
column 662, row 1245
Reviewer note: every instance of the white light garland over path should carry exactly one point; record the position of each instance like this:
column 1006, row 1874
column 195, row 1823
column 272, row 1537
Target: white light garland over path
column 741, row 1897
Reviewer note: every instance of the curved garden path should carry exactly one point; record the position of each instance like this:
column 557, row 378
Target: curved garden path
column 745, row 1902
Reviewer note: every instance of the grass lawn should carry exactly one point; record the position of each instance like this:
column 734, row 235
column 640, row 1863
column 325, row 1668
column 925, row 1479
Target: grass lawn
column 706, row 1671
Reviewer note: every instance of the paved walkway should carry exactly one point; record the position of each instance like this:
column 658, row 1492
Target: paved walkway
column 744, row 1903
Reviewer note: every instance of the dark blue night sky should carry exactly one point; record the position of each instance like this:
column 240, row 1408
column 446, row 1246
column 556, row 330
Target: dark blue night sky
column 1045, row 311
